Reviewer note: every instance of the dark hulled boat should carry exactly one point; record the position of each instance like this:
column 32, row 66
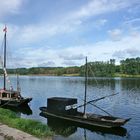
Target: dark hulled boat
column 10, row 97
column 67, row 109
column 20, row 109
column 64, row 109
column 66, row 128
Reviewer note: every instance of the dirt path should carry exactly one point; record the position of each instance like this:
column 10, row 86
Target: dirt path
column 8, row 133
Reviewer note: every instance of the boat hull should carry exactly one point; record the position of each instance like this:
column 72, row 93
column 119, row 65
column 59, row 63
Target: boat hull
column 59, row 126
column 20, row 109
column 15, row 102
column 89, row 121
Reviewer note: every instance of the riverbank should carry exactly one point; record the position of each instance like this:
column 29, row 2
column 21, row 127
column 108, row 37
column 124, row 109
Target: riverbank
column 8, row 133
column 78, row 75
column 32, row 127
column 126, row 75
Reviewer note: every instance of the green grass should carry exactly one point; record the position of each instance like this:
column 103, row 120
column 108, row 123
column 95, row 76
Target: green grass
column 126, row 75
column 74, row 74
column 32, row 127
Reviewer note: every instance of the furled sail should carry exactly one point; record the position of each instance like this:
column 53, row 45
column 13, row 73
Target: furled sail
column 5, row 72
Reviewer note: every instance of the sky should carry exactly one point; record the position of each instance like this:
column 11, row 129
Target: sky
column 51, row 33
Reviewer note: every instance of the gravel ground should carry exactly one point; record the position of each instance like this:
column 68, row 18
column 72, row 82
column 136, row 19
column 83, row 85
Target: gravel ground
column 8, row 133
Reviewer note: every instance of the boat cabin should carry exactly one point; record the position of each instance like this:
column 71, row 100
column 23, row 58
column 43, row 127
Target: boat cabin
column 62, row 105
column 9, row 94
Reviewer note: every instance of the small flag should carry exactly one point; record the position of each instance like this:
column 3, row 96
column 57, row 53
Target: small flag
column 5, row 29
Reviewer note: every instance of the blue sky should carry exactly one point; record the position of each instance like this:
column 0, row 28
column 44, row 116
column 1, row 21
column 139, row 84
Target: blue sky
column 63, row 32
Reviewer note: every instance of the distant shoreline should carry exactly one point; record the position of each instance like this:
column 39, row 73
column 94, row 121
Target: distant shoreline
column 127, row 68
column 78, row 75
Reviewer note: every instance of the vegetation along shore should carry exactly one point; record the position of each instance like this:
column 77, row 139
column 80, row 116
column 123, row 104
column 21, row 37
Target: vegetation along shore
column 129, row 67
column 32, row 127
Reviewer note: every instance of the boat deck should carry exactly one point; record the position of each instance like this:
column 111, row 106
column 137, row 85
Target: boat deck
column 88, row 119
column 7, row 99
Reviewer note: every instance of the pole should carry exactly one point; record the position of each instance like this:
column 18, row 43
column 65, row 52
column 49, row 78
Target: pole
column 95, row 100
column 85, row 98
column 4, row 65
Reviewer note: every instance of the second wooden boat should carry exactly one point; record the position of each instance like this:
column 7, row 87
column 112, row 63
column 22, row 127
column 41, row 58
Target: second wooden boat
column 9, row 96
column 63, row 108
column 67, row 109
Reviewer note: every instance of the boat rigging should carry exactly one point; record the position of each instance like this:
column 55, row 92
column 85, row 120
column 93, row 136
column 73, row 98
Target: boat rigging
column 10, row 97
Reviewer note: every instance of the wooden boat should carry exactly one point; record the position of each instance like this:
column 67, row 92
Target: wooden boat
column 66, row 128
column 10, row 97
column 67, row 109
column 60, row 110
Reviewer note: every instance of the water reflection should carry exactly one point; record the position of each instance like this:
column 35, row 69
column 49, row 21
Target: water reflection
column 102, row 82
column 61, row 128
column 130, row 83
column 126, row 104
column 66, row 128
column 22, row 109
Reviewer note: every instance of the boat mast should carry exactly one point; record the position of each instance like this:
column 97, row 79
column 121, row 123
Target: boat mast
column 18, row 85
column 4, row 65
column 85, row 98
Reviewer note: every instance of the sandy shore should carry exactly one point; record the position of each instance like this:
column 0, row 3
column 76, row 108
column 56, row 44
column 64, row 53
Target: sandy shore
column 8, row 133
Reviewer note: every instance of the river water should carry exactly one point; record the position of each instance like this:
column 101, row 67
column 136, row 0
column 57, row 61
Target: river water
column 126, row 104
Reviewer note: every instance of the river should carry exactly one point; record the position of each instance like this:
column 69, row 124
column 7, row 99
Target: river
column 126, row 104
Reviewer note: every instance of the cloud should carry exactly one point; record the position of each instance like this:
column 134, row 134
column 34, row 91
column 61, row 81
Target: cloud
column 72, row 57
column 127, row 46
column 134, row 10
column 119, row 54
column 70, row 63
column 31, row 40
column 96, row 7
column 130, row 52
column 70, row 22
column 101, row 22
column 131, row 21
column 29, row 34
column 132, row 25
column 47, row 64
column 115, row 34
column 9, row 7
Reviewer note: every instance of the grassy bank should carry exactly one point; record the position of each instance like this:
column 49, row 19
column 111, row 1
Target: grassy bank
column 73, row 75
column 126, row 75
column 30, row 126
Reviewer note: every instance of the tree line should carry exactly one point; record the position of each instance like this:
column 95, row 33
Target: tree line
column 129, row 66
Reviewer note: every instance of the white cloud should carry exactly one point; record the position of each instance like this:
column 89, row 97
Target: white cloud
column 27, row 35
column 115, row 34
column 101, row 22
column 132, row 24
column 72, row 56
column 70, row 63
column 131, row 21
column 47, row 64
column 132, row 52
column 101, row 51
column 126, row 53
column 70, row 22
column 96, row 7
column 9, row 7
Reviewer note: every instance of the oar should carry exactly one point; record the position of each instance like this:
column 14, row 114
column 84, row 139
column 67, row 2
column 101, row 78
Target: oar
column 95, row 100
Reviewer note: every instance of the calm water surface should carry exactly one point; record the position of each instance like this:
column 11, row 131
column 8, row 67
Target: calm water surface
column 126, row 104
